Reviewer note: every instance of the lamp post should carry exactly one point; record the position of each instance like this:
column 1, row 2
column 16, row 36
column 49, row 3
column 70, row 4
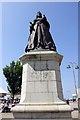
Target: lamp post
column 77, row 67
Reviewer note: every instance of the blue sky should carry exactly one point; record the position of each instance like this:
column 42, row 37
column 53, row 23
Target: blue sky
column 63, row 19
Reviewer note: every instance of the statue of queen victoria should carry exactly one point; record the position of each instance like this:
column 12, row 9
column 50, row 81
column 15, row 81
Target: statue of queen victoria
column 40, row 37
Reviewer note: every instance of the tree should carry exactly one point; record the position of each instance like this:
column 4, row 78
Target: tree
column 13, row 74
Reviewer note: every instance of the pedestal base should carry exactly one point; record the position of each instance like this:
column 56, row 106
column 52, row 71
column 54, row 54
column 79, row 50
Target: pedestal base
column 43, row 116
column 42, row 112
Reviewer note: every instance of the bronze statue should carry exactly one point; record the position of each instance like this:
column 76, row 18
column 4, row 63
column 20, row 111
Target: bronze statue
column 40, row 37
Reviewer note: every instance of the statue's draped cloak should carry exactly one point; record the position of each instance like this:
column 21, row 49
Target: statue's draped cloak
column 40, row 37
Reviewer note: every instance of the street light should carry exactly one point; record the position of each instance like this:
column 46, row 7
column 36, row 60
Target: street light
column 76, row 67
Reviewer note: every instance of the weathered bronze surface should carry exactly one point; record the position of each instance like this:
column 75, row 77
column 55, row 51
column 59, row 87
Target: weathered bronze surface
column 40, row 37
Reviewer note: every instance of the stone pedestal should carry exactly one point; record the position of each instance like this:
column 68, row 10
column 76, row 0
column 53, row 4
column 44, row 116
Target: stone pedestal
column 41, row 95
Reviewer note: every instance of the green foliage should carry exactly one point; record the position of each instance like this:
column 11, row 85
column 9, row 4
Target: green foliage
column 13, row 74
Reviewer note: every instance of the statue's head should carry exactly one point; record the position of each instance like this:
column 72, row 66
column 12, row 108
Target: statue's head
column 39, row 15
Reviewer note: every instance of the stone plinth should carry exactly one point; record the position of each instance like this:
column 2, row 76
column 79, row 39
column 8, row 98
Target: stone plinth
column 41, row 95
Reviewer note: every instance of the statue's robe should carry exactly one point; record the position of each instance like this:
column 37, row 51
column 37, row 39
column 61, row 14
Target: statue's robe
column 40, row 37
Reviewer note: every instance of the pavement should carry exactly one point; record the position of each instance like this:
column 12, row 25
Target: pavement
column 6, row 116
column 75, row 115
